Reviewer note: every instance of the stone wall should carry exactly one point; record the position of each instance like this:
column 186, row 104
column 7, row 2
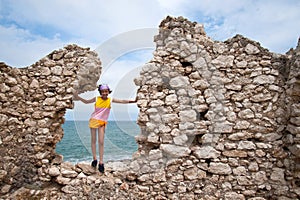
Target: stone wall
column 219, row 120
column 292, row 138
column 33, row 102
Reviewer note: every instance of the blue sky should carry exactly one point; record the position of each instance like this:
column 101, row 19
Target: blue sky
column 30, row 29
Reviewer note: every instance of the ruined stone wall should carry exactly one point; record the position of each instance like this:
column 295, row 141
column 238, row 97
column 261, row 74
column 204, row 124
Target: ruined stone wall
column 33, row 102
column 216, row 118
column 219, row 120
column 292, row 138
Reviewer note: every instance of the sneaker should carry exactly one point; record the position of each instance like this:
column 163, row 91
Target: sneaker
column 101, row 168
column 94, row 163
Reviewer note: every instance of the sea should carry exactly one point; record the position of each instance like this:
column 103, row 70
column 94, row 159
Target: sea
column 119, row 141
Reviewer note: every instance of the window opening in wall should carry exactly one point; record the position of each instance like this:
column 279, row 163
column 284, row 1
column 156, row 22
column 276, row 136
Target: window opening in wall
column 119, row 141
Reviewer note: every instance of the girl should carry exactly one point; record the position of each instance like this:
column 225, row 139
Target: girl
column 98, row 120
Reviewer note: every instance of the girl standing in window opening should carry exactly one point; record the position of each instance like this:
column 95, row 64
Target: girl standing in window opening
column 98, row 120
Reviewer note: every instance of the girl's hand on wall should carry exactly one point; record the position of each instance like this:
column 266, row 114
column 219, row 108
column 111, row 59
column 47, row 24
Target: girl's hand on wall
column 75, row 96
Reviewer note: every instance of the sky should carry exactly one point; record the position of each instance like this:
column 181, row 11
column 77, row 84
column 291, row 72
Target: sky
column 122, row 33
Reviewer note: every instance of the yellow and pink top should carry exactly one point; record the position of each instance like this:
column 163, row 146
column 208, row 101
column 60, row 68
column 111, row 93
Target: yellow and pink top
column 101, row 113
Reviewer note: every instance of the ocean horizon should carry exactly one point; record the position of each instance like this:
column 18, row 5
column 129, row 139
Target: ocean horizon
column 119, row 141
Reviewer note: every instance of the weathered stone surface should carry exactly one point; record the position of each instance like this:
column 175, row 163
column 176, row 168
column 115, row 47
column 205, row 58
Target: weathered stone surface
column 206, row 152
column 194, row 173
column 234, row 195
column 174, row 150
column 53, row 171
column 220, row 168
column 278, row 175
column 235, row 153
column 246, row 145
column 179, row 82
column 62, row 180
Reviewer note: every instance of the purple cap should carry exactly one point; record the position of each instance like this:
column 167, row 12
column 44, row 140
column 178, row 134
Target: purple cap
column 104, row 87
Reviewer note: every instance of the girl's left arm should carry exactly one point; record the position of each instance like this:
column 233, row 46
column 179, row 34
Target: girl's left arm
column 123, row 101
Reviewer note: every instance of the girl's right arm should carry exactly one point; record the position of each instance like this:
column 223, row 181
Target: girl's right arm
column 86, row 101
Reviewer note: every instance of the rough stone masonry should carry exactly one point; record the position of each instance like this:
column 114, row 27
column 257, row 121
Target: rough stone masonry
column 33, row 103
column 219, row 120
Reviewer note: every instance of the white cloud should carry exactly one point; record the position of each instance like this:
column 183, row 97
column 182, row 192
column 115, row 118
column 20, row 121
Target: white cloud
column 21, row 48
column 53, row 24
column 273, row 23
column 125, row 43
column 88, row 19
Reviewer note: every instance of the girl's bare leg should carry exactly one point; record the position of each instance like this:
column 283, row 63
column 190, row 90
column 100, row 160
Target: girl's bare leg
column 93, row 143
column 101, row 131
